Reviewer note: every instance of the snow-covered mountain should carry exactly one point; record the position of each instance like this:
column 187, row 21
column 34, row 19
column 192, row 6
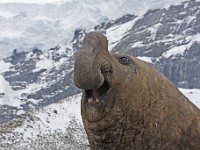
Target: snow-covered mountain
column 43, row 25
column 170, row 38
column 36, row 85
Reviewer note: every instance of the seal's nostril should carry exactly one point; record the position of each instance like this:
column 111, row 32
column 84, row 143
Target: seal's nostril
column 106, row 67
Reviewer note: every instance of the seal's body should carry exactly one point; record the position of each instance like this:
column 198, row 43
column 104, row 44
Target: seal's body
column 127, row 104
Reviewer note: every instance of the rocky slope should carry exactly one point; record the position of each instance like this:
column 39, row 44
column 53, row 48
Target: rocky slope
column 171, row 39
column 35, row 79
column 57, row 126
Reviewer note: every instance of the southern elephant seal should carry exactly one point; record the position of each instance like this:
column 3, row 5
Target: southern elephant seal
column 127, row 104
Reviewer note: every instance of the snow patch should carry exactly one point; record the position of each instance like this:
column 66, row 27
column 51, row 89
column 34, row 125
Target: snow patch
column 193, row 38
column 181, row 49
column 9, row 33
column 177, row 50
column 43, row 63
column 5, row 66
column 6, row 14
column 153, row 30
column 146, row 59
column 137, row 44
column 193, row 95
column 51, row 118
column 8, row 96
column 116, row 33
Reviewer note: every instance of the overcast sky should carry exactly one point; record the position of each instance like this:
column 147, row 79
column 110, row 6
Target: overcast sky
column 31, row 1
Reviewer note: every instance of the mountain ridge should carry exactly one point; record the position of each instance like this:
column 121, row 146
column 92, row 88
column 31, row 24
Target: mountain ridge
column 26, row 26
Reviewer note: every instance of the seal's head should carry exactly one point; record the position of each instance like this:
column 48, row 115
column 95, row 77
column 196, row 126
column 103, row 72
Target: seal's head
column 128, row 104
column 97, row 72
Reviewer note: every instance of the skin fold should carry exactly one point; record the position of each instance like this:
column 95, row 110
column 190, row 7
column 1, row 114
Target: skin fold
column 127, row 104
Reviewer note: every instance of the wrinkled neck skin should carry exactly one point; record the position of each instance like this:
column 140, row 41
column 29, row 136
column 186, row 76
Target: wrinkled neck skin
column 107, row 131
column 123, row 121
column 131, row 106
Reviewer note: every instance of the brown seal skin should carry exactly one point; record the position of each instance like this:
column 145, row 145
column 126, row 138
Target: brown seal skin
column 127, row 104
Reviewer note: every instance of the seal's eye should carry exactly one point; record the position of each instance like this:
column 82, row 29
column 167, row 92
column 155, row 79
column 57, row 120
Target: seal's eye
column 124, row 60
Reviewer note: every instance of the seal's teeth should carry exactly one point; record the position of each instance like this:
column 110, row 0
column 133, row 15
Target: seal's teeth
column 97, row 100
column 89, row 100
column 92, row 100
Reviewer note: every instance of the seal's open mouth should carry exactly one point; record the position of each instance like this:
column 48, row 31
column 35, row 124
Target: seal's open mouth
column 96, row 98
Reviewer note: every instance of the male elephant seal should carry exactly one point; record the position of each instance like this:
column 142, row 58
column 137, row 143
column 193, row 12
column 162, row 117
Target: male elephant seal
column 127, row 104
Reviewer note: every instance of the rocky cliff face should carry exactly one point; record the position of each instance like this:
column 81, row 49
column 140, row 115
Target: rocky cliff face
column 171, row 39
column 36, row 79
